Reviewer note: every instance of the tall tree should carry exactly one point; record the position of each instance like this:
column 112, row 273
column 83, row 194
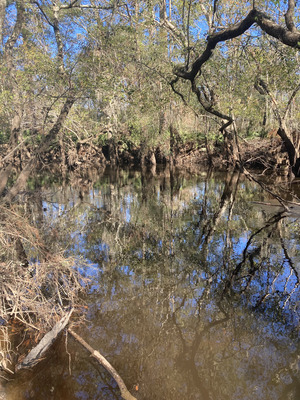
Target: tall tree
column 286, row 34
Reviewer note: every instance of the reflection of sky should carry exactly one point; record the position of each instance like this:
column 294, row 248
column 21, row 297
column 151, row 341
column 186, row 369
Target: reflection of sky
column 129, row 203
column 125, row 207
column 176, row 253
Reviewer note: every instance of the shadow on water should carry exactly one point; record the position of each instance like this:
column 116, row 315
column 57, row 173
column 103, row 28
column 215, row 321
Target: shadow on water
column 194, row 293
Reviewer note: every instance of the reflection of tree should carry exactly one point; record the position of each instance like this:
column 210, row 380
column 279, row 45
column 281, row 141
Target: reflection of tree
column 197, row 290
column 186, row 358
column 249, row 253
column 226, row 203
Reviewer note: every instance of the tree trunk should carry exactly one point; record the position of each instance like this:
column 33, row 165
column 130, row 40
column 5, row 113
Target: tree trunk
column 292, row 149
column 152, row 162
column 4, row 175
column 13, row 142
column 49, row 139
column 174, row 139
column 2, row 16
column 63, row 156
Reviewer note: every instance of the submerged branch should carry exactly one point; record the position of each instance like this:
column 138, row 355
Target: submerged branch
column 103, row 361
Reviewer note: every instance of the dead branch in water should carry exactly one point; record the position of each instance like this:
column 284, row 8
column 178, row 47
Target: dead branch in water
column 36, row 354
column 103, row 361
column 37, row 285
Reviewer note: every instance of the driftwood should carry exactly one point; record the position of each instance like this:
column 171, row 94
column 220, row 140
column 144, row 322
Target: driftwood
column 126, row 395
column 36, row 354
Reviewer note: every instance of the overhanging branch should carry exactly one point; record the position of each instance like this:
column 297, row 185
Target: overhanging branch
column 289, row 16
column 284, row 35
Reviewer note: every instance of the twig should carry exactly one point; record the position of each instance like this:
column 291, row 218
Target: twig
column 69, row 354
column 262, row 185
column 102, row 360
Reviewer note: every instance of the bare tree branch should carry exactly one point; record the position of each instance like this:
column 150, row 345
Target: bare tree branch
column 17, row 28
column 214, row 13
column 43, row 12
column 74, row 4
column 103, row 361
column 209, row 107
column 293, row 95
column 285, row 36
column 176, row 33
column 289, row 16
column 3, row 4
column 36, row 354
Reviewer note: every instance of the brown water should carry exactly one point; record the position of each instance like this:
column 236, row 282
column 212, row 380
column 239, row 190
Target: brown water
column 194, row 294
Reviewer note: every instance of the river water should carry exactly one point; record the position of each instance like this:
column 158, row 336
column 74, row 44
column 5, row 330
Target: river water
column 194, row 291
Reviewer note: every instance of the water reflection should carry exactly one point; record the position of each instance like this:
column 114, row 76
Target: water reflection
column 195, row 291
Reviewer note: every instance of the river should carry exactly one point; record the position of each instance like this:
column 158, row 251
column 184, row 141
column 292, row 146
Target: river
column 193, row 293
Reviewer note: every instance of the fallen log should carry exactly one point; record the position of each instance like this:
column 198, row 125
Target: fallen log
column 36, row 354
column 126, row 395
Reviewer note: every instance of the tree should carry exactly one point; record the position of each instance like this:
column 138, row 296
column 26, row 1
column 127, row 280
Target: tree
column 44, row 81
column 288, row 35
column 114, row 62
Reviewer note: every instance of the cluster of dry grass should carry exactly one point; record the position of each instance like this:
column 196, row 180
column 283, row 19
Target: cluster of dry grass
column 36, row 293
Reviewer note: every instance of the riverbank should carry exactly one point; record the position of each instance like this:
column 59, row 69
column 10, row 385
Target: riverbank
column 266, row 155
column 262, row 154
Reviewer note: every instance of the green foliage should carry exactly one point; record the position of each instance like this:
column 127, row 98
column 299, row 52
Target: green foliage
column 4, row 137
column 120, row 64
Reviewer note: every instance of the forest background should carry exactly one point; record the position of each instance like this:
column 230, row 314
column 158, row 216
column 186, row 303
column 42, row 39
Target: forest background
column 143, row 81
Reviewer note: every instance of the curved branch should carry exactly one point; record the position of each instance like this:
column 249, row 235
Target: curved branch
column 172, row 84
column 43, row 13
column 209, row 107
column 289, row 16
column 212, row 41
column 3, row 4
column 280, row 33
column 126, row 395
column 17, row 28
column 293, row 95
column 285, row 36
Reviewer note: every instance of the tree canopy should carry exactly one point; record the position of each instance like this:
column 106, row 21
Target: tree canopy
column 145, row 74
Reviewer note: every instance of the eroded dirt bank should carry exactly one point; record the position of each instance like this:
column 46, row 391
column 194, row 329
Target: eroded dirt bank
column 267, row 155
